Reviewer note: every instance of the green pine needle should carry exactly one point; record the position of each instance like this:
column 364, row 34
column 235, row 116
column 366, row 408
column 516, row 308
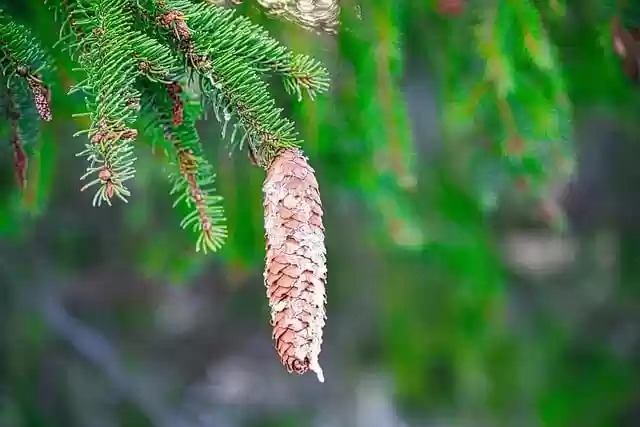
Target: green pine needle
column 129, row 52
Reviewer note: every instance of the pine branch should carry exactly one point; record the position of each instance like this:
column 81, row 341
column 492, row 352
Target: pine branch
column 223, row 67
column 135, row 57
column 22, row 57
column 139, row 60
column 223, row 31
column 123, row 45
column 17, row 138
column 111, row 73
column 170, row 121
column 232, row 33
column 511, row 89
column 150, row 41
column 21, row 111
column 23, row 63
column 72, row 27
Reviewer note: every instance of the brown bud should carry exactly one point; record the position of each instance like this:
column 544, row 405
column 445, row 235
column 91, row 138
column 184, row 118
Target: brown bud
column 41, row 97
column 295, row 271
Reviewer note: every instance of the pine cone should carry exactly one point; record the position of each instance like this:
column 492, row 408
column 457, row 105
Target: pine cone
column 295, row 271
column 310, row 14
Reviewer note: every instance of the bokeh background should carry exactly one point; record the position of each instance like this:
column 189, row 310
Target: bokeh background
column 447, row 305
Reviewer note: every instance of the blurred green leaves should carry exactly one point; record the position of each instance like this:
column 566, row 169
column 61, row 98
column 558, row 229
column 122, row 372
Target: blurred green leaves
column 512, row 95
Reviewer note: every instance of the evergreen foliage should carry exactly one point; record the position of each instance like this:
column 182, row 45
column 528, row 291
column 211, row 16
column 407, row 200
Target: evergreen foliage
column 502, row 69
column 143, row 64
column 25, row 66
column 510, row 87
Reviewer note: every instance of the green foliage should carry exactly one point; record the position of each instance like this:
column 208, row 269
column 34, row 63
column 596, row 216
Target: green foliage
column 504, row 71
column 129, row 53
column 513, row 91
column 22, row 61
column 510, row 88
column 380, row 162
column 190, row 171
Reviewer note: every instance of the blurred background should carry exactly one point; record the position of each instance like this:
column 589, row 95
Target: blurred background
column 456, row 298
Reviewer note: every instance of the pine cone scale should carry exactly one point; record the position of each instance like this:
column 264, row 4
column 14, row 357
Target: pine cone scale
column 295, row 271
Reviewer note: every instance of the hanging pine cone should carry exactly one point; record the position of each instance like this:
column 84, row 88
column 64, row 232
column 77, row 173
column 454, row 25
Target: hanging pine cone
column 295, row 271
column 310, row 14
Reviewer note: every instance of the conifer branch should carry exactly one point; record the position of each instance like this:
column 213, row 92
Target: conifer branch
column 22, row 57
column 17, row 141
column 223, row 31
column 169, row 119
column 71, row 28
column 232, row 33
column 135, row 56
column 21, row 110
column 225, row 54
column 139, row 61
column 23, row 63
column 111, row 73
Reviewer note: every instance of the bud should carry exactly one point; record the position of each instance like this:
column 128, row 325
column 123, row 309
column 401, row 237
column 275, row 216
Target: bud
column 41, row 97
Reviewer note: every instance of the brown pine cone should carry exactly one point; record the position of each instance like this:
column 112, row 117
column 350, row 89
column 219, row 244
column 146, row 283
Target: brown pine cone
column 309, row 14
column 295, row 271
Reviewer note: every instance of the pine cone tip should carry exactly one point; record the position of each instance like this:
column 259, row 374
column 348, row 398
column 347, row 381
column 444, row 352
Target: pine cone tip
column 317, row 369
